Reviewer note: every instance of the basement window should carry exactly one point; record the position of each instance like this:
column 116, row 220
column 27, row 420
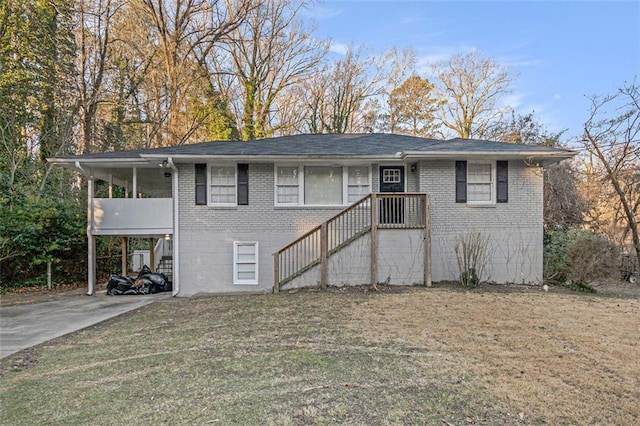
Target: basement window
column 245, row 262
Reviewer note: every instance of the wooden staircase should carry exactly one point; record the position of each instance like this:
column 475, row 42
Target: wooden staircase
column 368, row 215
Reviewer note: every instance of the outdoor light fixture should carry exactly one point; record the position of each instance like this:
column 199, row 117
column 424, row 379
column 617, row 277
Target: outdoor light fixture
column 167, row 237
column 167, row 174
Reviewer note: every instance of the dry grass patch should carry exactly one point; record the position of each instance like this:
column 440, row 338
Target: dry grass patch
column 419, row 357
column 555, row 358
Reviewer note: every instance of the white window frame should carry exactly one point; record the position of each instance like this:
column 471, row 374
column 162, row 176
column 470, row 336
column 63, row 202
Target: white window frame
column 346, row 186
column 492, row 184
column 300, row 183
column 301, row 196
column 209, row 185
column 384, row 180
column 236, row 262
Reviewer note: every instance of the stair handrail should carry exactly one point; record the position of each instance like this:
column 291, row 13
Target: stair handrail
column 324, row 248
column 406, row 210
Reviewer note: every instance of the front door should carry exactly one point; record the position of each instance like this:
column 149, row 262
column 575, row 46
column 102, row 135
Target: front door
column 391, row 208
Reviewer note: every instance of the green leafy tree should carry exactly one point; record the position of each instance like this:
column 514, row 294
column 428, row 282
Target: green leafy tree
column 36, row 121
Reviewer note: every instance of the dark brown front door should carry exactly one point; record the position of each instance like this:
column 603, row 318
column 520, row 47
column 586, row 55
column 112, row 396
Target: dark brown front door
column 391, row 181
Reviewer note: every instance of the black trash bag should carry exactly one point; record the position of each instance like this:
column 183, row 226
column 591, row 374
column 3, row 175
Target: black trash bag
column 152, row 282
column 145, row 286
column 118, row 284
column 144, row 271
column 159, row 280
column 146, row 282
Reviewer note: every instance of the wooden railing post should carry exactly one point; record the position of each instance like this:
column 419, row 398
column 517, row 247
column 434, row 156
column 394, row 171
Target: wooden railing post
column 374, row 239
column 125, row 264
column 427, row 241
column 152, row 256
column 324, row 253
column 276, row 273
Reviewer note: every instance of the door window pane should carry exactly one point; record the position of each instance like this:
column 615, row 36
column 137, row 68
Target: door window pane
column 391, row 176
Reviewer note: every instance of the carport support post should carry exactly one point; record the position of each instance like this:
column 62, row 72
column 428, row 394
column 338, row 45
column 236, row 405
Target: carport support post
column 91, row 240
column 125, row 266
column 152, row 256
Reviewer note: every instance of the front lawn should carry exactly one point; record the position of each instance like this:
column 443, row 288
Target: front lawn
column 420, row 356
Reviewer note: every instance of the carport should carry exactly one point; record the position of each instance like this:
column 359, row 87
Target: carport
column 136, row 202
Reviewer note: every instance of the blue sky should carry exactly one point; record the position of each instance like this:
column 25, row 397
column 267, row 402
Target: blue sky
column 563, row 50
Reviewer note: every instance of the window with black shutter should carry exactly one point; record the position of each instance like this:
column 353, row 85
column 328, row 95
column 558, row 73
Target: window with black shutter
column 476, row 177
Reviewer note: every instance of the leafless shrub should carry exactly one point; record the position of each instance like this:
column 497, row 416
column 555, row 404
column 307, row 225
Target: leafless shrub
column 472, row 256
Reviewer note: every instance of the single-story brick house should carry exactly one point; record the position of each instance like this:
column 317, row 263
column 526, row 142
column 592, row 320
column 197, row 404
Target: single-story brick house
column 331, row 209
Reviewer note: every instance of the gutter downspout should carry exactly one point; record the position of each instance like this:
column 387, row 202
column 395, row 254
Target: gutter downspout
column 176, row 227
column 91, row 242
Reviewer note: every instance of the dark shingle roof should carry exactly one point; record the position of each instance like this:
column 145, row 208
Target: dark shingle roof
column 327, row 145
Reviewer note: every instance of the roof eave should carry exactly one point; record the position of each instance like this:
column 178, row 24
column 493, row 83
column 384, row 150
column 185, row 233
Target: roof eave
column 108, row 162
column 540, row 156
column 186, row 158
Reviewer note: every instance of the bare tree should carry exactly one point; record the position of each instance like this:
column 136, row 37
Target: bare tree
column 271, row 51
column 337, row 95
column 185, row 32
column 470, row 87
column 93, row 38
column 401, row 64
column 564, row 202
column 413, row 107
column 612, row 137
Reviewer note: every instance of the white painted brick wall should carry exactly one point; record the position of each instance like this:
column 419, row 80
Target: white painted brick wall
column 514, row 228
column 207, row 233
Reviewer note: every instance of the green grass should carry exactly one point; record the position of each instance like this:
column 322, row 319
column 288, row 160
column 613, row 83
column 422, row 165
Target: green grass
column 238, row 360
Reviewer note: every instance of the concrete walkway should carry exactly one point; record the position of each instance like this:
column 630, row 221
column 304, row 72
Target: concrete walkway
column 24, row 326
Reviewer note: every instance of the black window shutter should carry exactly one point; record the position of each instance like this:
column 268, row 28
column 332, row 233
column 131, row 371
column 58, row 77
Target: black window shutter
column 502, row 187
column 201, row 184
column 461, row 181
column 243, row 184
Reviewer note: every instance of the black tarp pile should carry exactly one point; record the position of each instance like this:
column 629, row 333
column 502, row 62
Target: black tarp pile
column 146, row 282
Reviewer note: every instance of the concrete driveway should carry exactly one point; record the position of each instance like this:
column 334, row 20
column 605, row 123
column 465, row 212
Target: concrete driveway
column 24, row 326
